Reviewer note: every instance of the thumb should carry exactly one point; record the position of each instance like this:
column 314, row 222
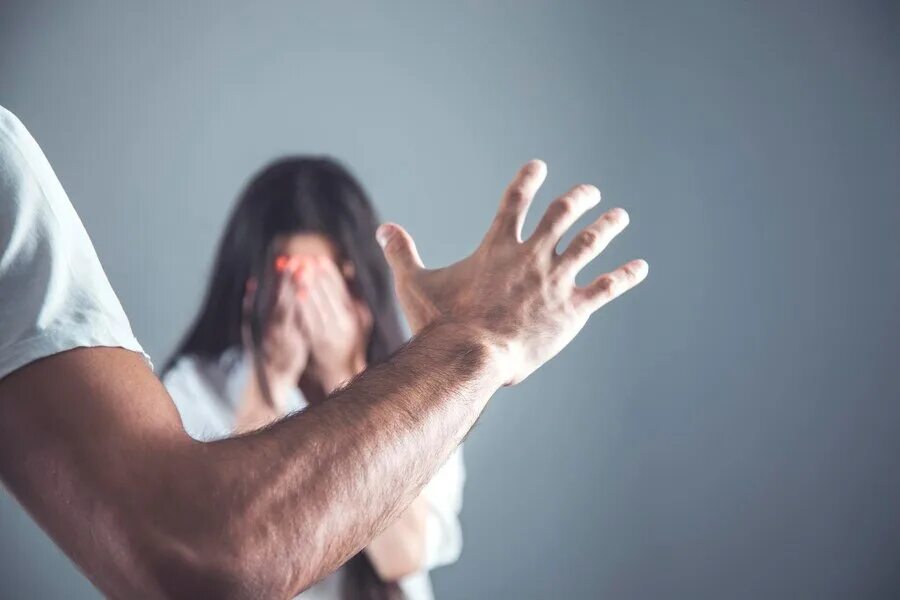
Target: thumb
column 399, row 249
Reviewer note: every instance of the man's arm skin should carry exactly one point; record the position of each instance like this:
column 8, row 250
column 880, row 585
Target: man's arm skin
column 97, row 454
column 93, row 448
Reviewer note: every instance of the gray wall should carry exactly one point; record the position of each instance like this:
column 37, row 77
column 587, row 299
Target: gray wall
column 730, row 430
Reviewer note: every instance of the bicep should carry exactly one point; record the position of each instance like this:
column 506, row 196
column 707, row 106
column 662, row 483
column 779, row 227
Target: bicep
column 81, row 432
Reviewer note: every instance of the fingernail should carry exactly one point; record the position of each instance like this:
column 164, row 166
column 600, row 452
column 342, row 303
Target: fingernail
column 383, row 234
column 281, row 263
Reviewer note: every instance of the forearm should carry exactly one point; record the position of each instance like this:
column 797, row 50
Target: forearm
column 147, row 512
column 312, row 490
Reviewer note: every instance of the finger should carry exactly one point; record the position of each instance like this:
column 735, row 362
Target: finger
column 310, row 306
column 517, row 198
column 612, row 285
column 284, row 298
column 334, row 290
column 364, row 316
column 321, row 305
column 592, row 240
column 334, row 280
column 563, row 212
column 399, row 249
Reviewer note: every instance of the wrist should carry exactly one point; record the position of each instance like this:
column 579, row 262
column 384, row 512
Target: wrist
column 487, row 351
column 333, row 377
column 277, row 381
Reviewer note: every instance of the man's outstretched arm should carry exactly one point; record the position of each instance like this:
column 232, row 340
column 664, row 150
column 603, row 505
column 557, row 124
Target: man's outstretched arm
column 93, row 448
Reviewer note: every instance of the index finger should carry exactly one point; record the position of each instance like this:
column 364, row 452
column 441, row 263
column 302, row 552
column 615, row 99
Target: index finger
column 333, row 283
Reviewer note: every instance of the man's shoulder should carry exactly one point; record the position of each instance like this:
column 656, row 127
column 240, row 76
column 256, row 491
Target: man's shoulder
column 12, row 130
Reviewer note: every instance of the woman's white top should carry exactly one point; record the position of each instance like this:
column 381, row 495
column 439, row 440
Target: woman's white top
column 208, row 394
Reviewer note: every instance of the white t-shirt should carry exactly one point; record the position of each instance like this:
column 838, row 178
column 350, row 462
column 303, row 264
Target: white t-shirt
column 208, row 394
column 54, row 295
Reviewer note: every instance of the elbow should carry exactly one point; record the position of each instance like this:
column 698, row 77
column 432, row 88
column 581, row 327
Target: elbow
column 184, row 572
column 204, row 533
column 188, row 550
column 212, row 558
column 175, row 576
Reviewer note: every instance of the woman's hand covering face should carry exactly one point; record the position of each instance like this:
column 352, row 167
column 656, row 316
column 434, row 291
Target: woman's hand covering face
column 335, row 325
column 283, row 352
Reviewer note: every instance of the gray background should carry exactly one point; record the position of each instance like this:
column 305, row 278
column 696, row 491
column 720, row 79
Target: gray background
column 729, row 430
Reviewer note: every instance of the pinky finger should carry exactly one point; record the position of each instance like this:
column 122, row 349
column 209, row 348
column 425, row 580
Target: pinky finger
column 611, row 285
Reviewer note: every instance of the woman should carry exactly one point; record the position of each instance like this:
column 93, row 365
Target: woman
column 300, row 301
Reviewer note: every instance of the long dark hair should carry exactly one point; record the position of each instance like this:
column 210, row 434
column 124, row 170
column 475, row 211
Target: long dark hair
column 295, row 195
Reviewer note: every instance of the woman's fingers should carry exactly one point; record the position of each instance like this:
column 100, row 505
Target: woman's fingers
column 324, row 302
column 309, row 303
column 283, row 308
column 364, row 317
column 333, row 284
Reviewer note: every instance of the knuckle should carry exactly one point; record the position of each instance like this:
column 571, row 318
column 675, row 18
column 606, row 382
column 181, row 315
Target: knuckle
column 615, row 217
column 531, row 249
column 395, row 245
column 589, row 239
column 563, row 207
column 607, row 284
column 516, row 196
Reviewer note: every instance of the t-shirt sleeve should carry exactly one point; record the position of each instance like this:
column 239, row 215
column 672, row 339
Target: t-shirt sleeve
column 54, row 295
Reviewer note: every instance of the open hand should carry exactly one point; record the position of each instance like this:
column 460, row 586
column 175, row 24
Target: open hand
column 520, row 296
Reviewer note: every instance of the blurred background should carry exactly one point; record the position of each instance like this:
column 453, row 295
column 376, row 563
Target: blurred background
column 731, row 429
